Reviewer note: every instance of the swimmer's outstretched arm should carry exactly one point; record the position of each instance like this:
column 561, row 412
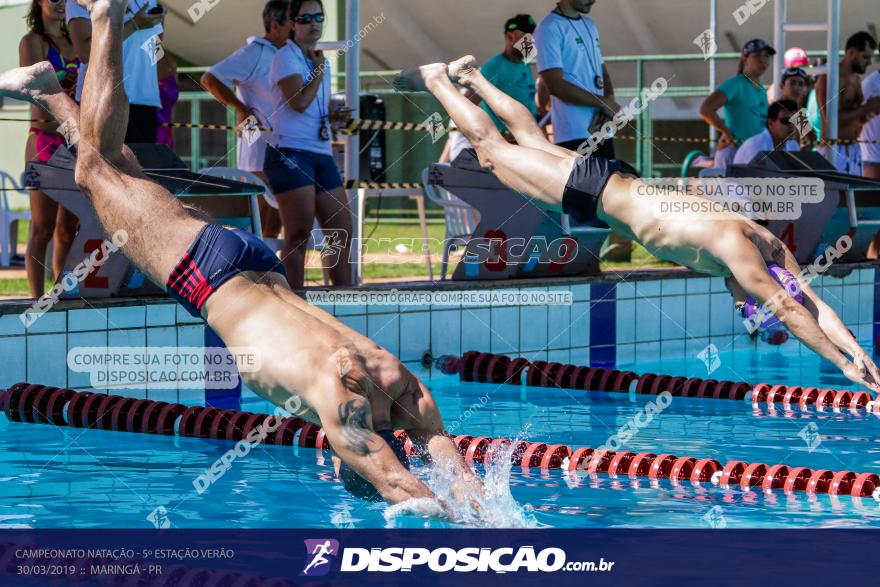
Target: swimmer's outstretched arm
column 832, row 325
column 750, row 270
column 347, row 421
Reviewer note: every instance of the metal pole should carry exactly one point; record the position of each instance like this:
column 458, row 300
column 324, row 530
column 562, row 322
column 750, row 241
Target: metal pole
column 780, row 16
column 830, row 133
column 713, row 66
column 640, row 119
column 353, row 101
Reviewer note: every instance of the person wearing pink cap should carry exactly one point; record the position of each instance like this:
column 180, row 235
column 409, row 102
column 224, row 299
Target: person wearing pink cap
column 796, row 57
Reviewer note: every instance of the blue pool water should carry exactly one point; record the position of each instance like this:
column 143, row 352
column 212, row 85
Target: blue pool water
column 58, row 477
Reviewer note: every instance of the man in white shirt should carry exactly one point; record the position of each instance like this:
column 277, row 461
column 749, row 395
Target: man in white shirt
column 780, row 134
column 871, row 130
column 143, row 25
column 247, row 71
column 570, row 63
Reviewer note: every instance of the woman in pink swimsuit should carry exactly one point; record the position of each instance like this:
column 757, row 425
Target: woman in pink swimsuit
column 47, row 40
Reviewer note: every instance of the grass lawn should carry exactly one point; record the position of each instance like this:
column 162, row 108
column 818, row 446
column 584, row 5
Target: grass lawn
column 384, row 240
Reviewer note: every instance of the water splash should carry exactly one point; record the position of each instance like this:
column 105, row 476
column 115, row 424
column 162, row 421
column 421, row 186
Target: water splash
column 495, row 507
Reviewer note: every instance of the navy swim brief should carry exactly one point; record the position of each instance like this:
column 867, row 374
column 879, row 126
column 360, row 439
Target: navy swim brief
column 216, row 256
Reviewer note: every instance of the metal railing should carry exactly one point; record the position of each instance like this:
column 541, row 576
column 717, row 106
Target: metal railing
column 644, row 156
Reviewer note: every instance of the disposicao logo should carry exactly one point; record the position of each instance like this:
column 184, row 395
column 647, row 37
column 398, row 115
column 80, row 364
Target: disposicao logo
column 320, row 553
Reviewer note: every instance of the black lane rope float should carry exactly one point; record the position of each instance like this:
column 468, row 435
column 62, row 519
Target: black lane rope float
column 40, row 404
column 492, row 368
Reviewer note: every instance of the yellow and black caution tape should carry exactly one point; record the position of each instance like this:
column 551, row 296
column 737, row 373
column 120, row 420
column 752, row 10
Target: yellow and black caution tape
column 358, row 125
column 354, row 184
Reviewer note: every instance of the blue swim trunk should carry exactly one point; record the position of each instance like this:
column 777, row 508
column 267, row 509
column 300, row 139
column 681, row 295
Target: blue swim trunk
column 585, row 185
column 290, row 169
column 216, row 256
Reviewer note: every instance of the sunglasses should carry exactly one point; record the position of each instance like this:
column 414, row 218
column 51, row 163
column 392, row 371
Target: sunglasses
column 53, row 2
column 786, row 120
column 308, row 18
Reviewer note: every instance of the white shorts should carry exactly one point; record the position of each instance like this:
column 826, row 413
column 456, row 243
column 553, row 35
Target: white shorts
column 871, row 150
column 845, row 158
column 251, row 157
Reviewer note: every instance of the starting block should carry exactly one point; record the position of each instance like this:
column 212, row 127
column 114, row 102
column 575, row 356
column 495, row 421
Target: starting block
column 515, row 237
column 228, row 202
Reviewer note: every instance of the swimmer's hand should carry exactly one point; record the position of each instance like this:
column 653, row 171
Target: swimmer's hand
column 426, row 507
column 858, row 373
column 867, row 370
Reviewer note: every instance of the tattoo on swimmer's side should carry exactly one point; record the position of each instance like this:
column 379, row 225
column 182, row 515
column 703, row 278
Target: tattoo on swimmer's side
column 353, row 415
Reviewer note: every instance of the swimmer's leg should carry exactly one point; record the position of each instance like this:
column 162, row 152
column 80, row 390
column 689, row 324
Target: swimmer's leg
column 159, row 229
column 513, row 114
column 532, row 172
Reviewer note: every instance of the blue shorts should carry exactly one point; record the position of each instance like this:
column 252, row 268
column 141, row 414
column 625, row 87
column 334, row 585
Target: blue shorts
column 216, row 256
column 290, row 169
column 585, row 185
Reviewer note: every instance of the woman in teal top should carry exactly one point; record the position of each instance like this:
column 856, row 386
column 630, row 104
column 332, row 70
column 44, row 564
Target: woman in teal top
column 743, row 99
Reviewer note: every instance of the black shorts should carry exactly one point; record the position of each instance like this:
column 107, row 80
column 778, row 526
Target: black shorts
column 143, row 124
column 216, row 256
column 585, row 185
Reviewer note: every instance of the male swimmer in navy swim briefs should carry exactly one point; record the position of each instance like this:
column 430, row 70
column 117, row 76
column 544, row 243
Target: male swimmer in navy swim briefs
column 349, row 385
column 591, row 188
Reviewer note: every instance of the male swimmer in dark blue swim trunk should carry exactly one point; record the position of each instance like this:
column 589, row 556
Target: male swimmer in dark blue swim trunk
column 591, row 188
column 349, row 385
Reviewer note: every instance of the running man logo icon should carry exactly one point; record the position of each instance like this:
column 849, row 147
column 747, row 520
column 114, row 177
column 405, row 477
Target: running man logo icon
column 434, row 124
column 801, row 122
column 317, row 564
column 810, row 435
column 526, row 46
column 159, row 518
column 714, row 518
column 249, row 130
column 706, row 42
column 709, row 356
column 153, row 47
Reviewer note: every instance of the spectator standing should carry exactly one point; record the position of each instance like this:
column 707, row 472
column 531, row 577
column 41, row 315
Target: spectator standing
column 299, row 161
column 744, row 101
column 870, row 135
column 143, row 25
column 247, row 72
column 509, row 71
column 47, row 39
column 570, row 63
column 853, row 110
column 795, row 86
column 169, row 93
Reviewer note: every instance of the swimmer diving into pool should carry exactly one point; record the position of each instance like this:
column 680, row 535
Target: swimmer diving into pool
column 349, row 385
column 591, row 188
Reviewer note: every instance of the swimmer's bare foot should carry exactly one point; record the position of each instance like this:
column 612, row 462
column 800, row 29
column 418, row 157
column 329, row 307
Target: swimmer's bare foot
column 418, row 79
column 461, row 69
column 34, row 83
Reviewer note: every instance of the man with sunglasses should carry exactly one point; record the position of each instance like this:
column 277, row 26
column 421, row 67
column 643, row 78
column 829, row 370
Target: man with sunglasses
column 780, row 134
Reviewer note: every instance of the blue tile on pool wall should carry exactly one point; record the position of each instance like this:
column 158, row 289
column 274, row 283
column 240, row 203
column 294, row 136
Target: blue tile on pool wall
column 603, row 324
column 47, row 359
column 13, row 360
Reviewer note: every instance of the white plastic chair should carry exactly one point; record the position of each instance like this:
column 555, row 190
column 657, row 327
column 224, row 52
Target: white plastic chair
column 9, row 219
column 461, row 219
column 234, row 174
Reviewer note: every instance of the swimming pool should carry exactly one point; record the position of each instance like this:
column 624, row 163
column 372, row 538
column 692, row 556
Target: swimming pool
column 69, row 477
